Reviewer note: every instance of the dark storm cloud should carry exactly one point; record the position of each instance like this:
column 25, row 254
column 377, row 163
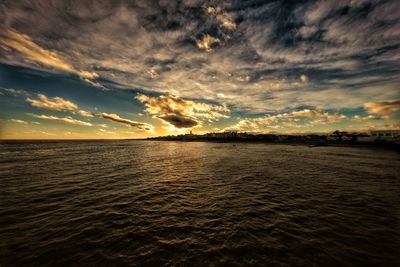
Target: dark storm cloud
column 252, row 55
column 179, row 121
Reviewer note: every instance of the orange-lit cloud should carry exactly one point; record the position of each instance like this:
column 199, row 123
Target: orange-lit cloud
column 84, row 113
column 68, row 119
column 18, row 121
column 56, row 103
column 295, row 119
column 226, row 21
column 304, row 78
column 208, row 43
column 182, row 113
column 307, row 113
column 61, row 104
column 358, row 118
column 212, row 10
column 386, row 109
column 135, row 124
column 34, row 53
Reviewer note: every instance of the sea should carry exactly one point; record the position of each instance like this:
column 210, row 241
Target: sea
column 164, row 203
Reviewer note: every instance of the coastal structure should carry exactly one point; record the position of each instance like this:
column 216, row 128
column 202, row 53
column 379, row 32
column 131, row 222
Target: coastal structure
column 386, row 135
column 342, row 136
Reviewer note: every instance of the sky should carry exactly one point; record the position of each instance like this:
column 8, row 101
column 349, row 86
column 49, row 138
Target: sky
column 134, row 69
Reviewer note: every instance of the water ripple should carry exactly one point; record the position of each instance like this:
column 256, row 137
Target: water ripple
column 135, row 203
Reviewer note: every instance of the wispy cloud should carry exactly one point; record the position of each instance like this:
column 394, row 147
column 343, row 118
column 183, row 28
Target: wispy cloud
column 117, row 118
column 68, row 119
column 13, row 92
column 61, row 104
column 84, row 113
column 18, row 121
column 34, row 53
column 56, row 103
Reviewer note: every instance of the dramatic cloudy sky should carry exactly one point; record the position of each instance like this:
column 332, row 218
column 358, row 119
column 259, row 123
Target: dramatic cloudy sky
column 126, row 69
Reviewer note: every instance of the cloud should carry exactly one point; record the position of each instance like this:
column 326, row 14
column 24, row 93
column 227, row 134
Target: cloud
column 208, row 42
column 308, row 113
column 56, row 103
column 34, row 53
column 103, row 132
column 182, row 113
column 372, row 127
column 295, row 119
column 135, row 124
column 61, row 104
column 387, row 108
column 303, row 78
column 68, row 119
column 358, row 118
column 84, row 113
column 225, row 19
column 13, row 92
column 18, row 121
column 179, row 121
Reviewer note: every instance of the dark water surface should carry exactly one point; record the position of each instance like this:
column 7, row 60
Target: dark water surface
column 116, row 203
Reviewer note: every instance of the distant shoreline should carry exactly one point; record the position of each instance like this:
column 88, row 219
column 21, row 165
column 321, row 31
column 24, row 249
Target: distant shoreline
column 310, row 143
